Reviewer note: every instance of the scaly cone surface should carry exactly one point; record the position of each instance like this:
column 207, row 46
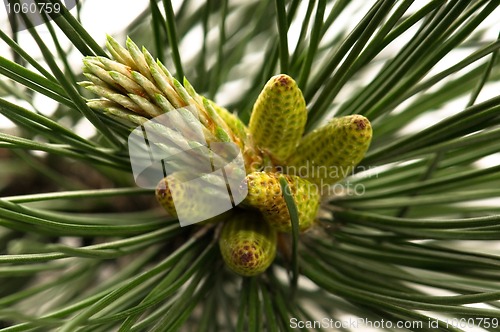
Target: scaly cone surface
column 330, row 153
column 278, row 118
column 135, row 87
column 265, row 194
column 247, row 244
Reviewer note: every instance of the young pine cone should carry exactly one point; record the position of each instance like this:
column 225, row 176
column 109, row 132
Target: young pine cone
column 247, row 244
column 330, row 153
column 265, row 194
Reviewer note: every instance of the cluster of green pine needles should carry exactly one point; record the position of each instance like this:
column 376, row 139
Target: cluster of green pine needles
column 82, row 248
